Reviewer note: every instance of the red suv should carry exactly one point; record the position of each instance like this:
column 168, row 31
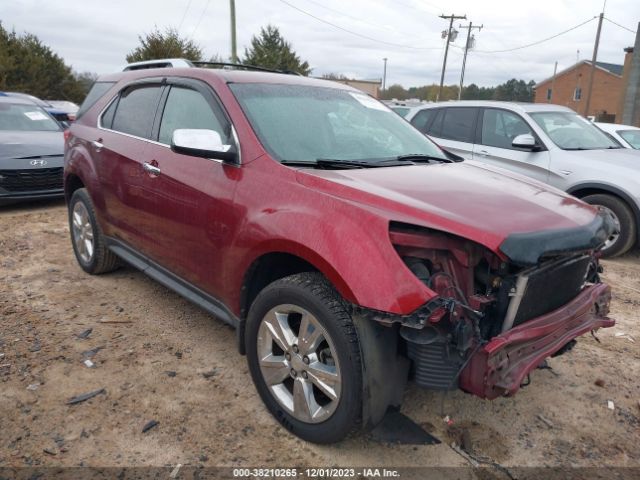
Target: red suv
column 350, row 252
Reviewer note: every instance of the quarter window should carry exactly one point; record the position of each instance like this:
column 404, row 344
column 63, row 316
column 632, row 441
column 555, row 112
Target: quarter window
column 136, row 110
column 422, row 118
column 186, row 108
column 107, row 116
column 500, row 127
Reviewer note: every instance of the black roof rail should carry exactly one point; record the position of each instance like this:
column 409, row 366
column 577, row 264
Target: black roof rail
column 240, row 65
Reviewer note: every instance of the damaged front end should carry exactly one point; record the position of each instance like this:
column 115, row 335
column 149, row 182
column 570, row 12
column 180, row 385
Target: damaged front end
column 495, row 317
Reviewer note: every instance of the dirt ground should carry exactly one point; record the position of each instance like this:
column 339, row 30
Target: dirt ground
column 161, row 358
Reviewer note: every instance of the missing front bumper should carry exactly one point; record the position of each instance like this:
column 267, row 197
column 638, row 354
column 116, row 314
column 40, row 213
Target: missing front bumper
column 500, row 366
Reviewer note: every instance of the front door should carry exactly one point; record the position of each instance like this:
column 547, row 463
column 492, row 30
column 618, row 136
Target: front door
column 193, row 196
column 494, row 146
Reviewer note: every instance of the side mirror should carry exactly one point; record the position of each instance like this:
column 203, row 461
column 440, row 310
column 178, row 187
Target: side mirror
column 525, row 141
column 202, row 143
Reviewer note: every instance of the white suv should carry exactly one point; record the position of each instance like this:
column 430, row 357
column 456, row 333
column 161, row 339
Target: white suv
column 550, row 143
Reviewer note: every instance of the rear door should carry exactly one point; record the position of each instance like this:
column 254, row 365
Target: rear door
column 125, row 129
column 193, row 196
column 496, row 131
column 453, row 128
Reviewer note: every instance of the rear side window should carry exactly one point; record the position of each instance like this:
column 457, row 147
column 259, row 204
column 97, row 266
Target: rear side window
column 136, row 110
column 186, row 108
column 458, row 124
column 97, row 90
column 422, row 119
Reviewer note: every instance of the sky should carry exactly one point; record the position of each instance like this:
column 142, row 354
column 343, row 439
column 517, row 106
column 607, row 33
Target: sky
column 96, row 35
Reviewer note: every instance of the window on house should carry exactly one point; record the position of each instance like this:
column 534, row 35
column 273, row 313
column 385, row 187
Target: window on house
column 548, row 94
column 577, row 94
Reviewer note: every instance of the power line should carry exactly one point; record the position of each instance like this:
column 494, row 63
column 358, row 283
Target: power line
column 204, row 10
column 539, row 41
column 621, row 26
column 352, row 17
column 356, row 33
column 419, row 9
column 184, row 15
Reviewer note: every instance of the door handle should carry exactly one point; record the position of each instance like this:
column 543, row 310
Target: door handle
column 151, row 169
column 97, row 145
column 483, row 153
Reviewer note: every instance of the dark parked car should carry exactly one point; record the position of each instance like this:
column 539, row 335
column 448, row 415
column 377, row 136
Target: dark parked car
column 61, row 115
column 31, row 152
column 351, row 253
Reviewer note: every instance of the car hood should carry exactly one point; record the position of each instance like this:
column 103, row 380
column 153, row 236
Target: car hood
column 471, row 200
column 624, row 157
column 30, row 144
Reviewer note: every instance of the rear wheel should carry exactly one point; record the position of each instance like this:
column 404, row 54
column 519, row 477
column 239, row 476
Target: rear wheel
column 86, row 236
column 625, row 236
column 304, row 357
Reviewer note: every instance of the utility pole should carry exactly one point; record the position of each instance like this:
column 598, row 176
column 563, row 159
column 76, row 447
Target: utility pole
column 234, row 52
column 451, row 18
column 631, row 93
column 384, row 75
column 553, row 82
column 593, row 66
column 467, row 46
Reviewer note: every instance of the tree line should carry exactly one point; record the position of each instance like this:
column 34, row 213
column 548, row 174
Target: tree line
column 29, row 66
column 512, row 90
column 268, row 50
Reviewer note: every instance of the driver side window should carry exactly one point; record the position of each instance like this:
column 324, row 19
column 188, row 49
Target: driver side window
column 500, row 127
column 187, row 108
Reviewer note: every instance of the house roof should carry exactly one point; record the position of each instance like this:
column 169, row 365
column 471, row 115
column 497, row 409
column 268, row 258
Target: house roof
column 612, row 68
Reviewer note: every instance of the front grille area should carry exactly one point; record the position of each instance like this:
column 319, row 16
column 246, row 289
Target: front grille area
column 32, row 180
column 551, row 286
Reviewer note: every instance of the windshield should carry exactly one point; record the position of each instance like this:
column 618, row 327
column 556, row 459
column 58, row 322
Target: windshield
column 570, row 131
column 304, row 124
column 632, row 137
column 26, row 118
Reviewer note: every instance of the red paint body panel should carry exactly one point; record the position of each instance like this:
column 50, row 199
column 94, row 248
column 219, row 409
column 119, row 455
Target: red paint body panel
column 500, row 366
column 208, row 222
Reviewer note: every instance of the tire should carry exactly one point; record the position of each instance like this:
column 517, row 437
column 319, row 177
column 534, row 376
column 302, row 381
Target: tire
column 334, row 349
column 627, row 237
column 84, row 231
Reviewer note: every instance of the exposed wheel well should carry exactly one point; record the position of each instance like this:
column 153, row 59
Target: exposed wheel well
column 585, row 190
column 268, row 269
column 72, row 184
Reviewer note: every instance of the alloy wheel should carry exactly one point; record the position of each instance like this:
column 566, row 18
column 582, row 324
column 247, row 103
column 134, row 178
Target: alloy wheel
column 82, row 232
column 298, row 363
column 615, row 235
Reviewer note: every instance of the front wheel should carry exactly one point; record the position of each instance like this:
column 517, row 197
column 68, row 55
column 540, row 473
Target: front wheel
column 625, row 235
column 304, row 358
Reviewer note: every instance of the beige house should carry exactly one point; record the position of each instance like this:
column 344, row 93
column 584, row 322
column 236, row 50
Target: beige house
column 370, row 87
